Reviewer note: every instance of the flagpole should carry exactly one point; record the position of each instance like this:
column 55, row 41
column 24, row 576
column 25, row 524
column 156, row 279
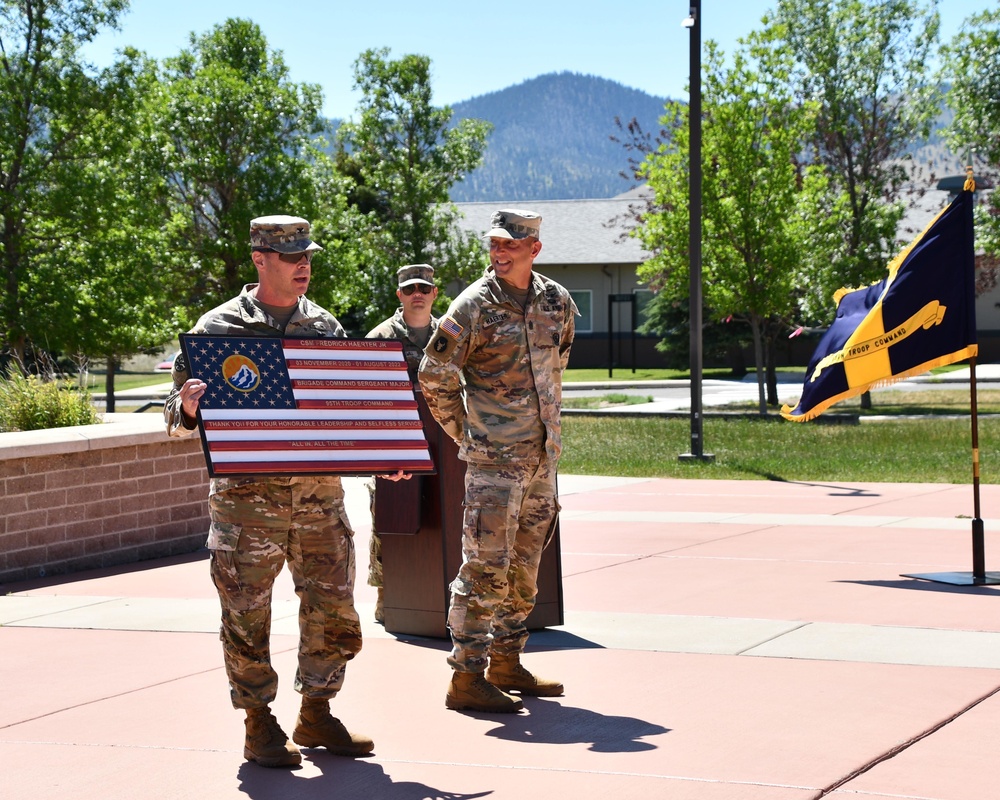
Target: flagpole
column 978, row 537
column 979, row 576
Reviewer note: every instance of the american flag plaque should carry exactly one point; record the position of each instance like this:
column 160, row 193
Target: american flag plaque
column 306, row 406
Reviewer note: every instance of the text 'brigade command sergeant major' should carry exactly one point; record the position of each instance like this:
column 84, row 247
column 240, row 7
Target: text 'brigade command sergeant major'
column 492, row 377
column 259, row 523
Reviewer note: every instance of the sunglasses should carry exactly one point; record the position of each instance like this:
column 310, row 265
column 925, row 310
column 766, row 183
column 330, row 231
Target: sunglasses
column 289, row 258
column 423, row 288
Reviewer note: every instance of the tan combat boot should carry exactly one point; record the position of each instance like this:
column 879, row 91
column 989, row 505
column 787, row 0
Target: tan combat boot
column 506, row 673
column 380, row 607
column 316, row 728
column 470, row 691
column 266, row 743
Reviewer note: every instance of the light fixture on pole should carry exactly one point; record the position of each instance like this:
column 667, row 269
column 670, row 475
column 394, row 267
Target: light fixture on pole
column 693, row 23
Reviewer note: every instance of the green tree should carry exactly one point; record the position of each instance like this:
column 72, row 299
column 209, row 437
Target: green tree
column 751, row 134
column 53, row 110
column 103, row 294
column 865, row 62
column 669, row 318
column 236, row 139
column 403, row 156
column 972, row 70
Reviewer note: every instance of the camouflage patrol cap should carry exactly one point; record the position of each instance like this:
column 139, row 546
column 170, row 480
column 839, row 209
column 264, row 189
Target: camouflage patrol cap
column 513, row 223
column 282, row 233
column 415, row 273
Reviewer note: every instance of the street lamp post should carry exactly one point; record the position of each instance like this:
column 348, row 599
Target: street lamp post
column 693, row 23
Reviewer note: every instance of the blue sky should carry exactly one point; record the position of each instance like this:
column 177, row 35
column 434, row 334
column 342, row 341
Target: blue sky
column 475, row 48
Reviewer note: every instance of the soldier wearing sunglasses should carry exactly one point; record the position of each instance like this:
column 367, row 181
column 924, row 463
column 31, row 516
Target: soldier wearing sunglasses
column 413, row 324
column 258, row 524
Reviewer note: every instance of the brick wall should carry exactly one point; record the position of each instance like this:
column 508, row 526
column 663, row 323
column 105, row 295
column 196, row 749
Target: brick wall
column 98, row 495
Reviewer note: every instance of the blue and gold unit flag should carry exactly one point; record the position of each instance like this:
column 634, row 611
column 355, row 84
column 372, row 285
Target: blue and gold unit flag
column 920, row 316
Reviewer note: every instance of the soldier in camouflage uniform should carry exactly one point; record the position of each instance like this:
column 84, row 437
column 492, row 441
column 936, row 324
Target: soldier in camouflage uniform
column 492, row 376
column 257, row 524
column 413, row 324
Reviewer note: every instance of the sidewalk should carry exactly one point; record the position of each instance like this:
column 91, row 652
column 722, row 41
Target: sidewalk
column 724, row 640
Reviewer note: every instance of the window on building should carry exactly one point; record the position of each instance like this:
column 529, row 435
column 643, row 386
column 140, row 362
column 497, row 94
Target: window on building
column 584, row 299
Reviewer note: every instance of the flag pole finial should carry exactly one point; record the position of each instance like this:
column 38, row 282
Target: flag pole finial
column 970, row 182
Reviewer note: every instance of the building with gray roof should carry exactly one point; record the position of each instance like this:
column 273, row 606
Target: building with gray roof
column 586, row 248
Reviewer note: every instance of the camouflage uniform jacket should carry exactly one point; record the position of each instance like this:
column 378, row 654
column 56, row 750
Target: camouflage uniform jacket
column 241, row 316
column 492, row 373
column 396, row 328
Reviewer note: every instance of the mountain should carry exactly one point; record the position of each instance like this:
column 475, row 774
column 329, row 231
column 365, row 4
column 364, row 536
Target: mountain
column 246, row 378
column 932, row 157
column 551, row 138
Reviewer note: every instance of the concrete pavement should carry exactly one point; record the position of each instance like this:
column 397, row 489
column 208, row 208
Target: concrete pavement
column 746, row 640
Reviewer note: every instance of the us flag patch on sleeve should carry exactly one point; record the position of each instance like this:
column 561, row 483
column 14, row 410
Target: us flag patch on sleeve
column 452, row 328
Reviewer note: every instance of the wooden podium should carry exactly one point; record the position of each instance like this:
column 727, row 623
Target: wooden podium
column 420, row 522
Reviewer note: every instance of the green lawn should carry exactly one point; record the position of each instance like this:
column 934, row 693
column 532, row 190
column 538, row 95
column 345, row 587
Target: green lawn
column 127, row 380
column 901, row 402
column 625, row 375
column 927, row 450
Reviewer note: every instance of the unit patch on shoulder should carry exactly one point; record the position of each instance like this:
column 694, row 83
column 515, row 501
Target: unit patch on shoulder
column 442, row 346
column 452, row 328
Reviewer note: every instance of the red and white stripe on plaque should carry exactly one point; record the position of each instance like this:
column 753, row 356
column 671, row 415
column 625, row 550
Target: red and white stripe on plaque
column 306, row 406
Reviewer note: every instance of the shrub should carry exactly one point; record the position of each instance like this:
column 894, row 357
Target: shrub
column 31, row 404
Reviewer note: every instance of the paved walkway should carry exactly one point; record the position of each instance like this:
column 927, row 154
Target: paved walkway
column 724, row 640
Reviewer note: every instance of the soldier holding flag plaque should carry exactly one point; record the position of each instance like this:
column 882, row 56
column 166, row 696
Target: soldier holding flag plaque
column 277, row 498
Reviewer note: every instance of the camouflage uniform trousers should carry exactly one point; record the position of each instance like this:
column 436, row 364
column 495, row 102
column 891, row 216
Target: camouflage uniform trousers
column 374, row 543
column 510, row 511
column 256, row 527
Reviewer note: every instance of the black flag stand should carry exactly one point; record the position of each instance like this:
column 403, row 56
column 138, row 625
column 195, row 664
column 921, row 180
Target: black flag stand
column 979, row 576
